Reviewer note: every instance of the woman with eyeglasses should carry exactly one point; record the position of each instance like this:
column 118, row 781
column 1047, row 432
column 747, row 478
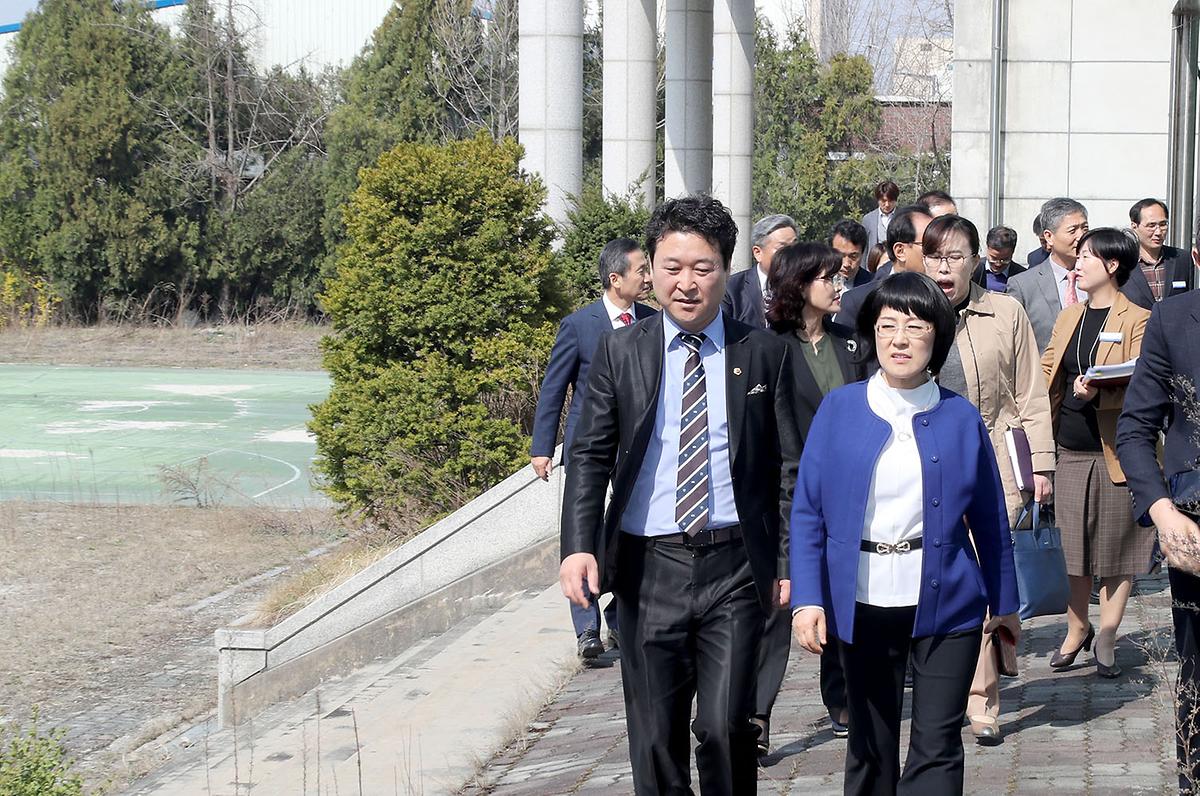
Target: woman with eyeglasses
column 805, row 285
column 994, row 364
column 894, row 470
column 1092, row 506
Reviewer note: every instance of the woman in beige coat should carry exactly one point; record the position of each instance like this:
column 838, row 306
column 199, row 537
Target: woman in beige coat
column 1092, row 506
column 994, row 364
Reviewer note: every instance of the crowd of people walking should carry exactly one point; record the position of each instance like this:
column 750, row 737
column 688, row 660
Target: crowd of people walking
column 835, row 445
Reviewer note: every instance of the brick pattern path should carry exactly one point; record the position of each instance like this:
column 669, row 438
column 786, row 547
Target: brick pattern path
column 1069, row 732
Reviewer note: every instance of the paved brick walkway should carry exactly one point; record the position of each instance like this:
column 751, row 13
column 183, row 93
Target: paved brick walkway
column 1064, row 732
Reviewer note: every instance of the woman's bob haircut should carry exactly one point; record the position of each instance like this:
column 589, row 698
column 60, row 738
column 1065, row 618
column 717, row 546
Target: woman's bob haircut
column 913, row 294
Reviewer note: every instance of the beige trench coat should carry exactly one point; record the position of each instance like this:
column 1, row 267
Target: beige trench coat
column 1006, row 383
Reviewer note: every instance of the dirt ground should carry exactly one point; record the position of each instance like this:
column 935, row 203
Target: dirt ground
column 286, row 346
column 107, row 615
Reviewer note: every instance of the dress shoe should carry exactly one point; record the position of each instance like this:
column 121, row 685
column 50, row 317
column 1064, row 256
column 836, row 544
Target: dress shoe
column 763, row 741
column 986, row 732
column 841, row 729
column 614, row 641
column 1060, row 661
column 1104, row 670
column 590, row 645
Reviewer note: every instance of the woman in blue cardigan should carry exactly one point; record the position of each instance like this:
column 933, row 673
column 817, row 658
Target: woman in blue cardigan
column 894, row 471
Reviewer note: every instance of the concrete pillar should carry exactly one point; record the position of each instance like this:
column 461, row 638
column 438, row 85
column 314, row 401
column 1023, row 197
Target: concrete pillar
column 550, row 108
column 689, row 114
column 630, row 97
column 733, row 114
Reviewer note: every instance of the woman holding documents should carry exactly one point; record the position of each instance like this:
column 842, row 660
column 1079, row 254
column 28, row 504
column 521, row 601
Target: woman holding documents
column 993, row 364
column 1083, row 365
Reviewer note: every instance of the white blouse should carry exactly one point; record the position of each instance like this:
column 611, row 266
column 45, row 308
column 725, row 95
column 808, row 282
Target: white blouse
column 895, row 501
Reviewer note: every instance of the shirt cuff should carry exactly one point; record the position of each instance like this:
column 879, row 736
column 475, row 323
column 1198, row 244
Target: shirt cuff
column 800, row 608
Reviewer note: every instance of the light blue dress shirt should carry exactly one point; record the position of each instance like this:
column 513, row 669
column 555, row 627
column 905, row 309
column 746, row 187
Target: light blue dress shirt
column 651, row 508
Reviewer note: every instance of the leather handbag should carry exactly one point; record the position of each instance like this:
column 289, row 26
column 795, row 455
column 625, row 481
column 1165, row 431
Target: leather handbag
column 1005, row 645
column 1040, row 563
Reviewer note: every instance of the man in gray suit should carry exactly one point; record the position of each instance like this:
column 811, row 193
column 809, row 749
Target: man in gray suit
column 1046, row 288
column 886, row 195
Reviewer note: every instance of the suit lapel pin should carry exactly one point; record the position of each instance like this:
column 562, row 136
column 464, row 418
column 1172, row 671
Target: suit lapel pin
column 737, row 371
column 851, row 346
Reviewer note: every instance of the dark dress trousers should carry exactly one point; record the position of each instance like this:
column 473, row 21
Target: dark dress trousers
column 744, row 299
column 777, row 634
column 578, row 335
column 691, row 617
column 1156, row 398
column 1181, row 277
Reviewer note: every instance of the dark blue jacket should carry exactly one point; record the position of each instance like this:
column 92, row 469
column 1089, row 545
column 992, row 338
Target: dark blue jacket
column 578, row 335
column 960, row 481
column 1161, row 393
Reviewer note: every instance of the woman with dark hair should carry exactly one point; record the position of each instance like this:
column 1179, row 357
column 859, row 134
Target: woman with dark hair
column 994, row 364
column 805, row 284
column 1092, row 504
column 880, row 555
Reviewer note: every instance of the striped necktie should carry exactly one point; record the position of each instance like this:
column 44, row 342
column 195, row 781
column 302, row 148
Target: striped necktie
column 691, row 484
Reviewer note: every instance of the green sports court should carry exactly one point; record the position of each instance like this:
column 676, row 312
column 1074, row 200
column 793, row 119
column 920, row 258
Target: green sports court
column 125, row 435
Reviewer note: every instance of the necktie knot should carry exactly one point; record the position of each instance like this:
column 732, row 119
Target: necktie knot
column 692, row 341
column 625, row 318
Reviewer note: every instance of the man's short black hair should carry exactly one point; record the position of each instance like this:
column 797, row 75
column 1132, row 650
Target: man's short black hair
column 698, row 213
column 915, row 294
column 852, row 231
column 614, row 258
column 901, row 228
column 1109, row 243
column 1002, row 238
column 1135, row 212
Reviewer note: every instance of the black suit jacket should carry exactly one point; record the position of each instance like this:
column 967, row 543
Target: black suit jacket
column 744, row 299
column 980, row 275
column 1181, row 277
column 578, row 335
column 1157, row 396
column 808, row 394
column 618, row 421
column 852, row 300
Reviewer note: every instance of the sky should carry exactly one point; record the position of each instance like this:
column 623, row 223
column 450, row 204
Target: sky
column 15, row 10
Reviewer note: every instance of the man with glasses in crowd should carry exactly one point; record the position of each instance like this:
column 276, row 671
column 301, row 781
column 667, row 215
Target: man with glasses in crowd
column 993, row 274
column 1162, row 270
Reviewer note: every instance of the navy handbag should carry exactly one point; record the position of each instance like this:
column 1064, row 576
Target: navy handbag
column 1040, row 563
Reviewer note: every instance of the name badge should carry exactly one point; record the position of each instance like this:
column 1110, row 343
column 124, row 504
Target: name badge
column 1178, row 285
column 1111, row 337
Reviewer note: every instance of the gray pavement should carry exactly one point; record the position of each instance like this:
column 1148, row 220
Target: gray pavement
column 1070, row 732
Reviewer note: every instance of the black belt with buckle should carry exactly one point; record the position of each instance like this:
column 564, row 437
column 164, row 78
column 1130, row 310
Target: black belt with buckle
column 705, row 538
column 884, row 549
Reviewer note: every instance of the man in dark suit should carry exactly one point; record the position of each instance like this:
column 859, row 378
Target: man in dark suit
column 1038, row 255
column 993, row 274
column 1163, row 392
column 849, row 239
column 1162, row 270
column 691, row 415
column 625, row 275
column 746, row 294
column 904, row 238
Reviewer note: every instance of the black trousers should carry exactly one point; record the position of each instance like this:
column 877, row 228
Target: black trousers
column 690, row 624
column 772, row 665
column 942, row 670
column 1185, row 611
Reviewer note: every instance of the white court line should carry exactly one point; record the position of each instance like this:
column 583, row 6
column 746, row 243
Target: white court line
column 295, row 470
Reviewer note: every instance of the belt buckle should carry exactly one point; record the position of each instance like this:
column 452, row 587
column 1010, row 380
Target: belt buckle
column 902, row 547
column 701, row 538
column 883, row 548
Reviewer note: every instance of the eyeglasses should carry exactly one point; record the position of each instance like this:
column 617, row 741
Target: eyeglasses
column 954, row 260
column 837, row 281
column 887, row 330
column 1154, row 225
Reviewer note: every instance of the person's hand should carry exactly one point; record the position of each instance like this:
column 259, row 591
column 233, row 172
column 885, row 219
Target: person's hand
column 1010, row 622
column 808, row 625
column 575, row 571
column 783, row 593
column 1043, row 488
column 1178, row 535
column 1083, row 389
column 543, row 466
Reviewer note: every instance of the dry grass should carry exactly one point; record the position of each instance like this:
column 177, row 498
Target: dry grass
column 289, row 595
column 284, row 345
column 107, row 612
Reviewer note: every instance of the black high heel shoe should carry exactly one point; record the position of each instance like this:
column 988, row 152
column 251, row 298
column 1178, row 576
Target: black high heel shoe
column 1060, row 661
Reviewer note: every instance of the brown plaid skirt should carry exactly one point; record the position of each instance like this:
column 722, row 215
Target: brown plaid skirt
column 1099, row 535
